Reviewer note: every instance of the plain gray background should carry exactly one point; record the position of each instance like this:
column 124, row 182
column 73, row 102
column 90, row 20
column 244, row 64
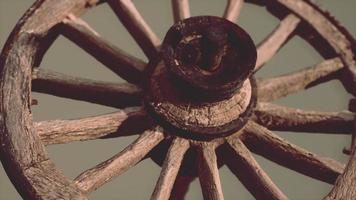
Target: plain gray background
column 138, row 182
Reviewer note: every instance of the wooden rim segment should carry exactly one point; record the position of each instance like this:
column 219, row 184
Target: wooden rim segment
column 22, row 141
column 22, row 153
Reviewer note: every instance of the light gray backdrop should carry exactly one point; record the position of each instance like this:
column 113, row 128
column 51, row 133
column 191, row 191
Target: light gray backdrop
column 138, row 183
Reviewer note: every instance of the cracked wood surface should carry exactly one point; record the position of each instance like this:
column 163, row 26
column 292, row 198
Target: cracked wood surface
column 97, row 176
column 274, row 88
column 265, row 143
column 241, row 162
column 119, row 95
column 181, row 113
column 281, row 118
column 209, row 177
column 346, row 183
column 122, row 123
column 22, row 154
column 28, row 169
column 170, row 169
column 330, row 29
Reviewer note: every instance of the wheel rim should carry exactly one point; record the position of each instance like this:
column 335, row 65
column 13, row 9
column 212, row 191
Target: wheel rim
column 33, row 160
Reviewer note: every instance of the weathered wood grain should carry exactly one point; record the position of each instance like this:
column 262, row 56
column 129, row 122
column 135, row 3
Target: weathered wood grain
column 241, row 162
column 273, row 88
column 35, row 176
column 265, row 143
column 330, row 29
column 121, row 63
column 45, row 177
column 119, row 95
column 281, row 118
column 170, row 169
column 95, row 177
column 199, row 119
column 22, row 154
column 209, row 173
column 125, row 122
column 346, row 183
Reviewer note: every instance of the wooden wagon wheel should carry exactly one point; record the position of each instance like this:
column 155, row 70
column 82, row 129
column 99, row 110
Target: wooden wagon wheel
column 197, row 106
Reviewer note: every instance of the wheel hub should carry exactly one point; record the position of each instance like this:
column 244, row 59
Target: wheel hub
column 203, row 87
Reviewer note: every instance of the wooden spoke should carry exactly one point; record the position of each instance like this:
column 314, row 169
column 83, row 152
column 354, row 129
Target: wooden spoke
column 232, row 10
column 95, row 177
column 265, row 143
column 29, row 166
column 283, row 118
column 136, row 25
column 181, row 187
column 125, row 122
column 209, row 173
column 180, row 10
column 47, row 177
column 345, row 185
column 124, row 65
column 245, row 167
column 170, row 169
column 277, row 87
column 118, row 95
column 270, row 46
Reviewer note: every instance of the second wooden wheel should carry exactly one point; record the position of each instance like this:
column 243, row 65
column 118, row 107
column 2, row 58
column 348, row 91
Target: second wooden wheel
column 189, row 137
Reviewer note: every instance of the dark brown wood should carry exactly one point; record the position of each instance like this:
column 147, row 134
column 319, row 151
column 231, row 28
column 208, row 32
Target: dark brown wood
column 265, row 143
column 202, row 56
column 170, row 169
column 352, row 105
column 193, row 119
column 137, row 26
column 123, row 64
column 273, row 88
column 209, row 173
column 241, row 162
column 95, row 177
column 119, row 95
column 34, row 102
column 281, row 118
column 126, row 122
